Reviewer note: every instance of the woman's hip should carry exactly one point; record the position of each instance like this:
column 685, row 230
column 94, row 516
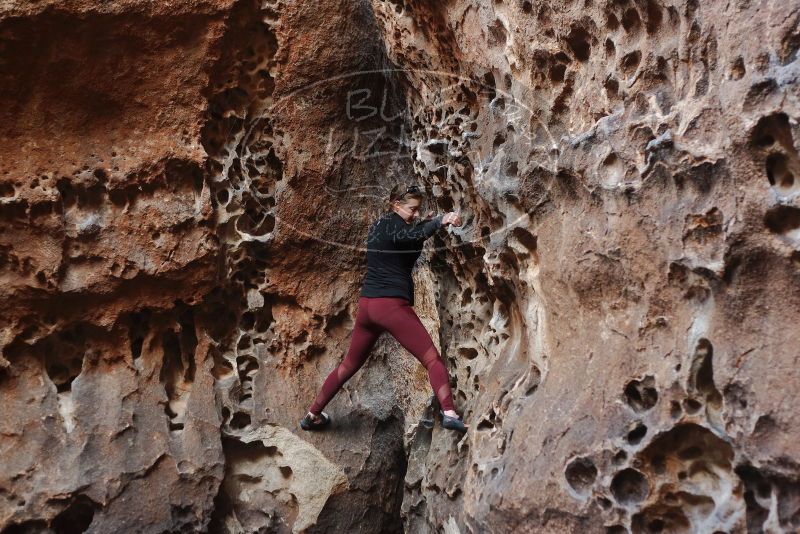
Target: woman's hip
column 374, row 311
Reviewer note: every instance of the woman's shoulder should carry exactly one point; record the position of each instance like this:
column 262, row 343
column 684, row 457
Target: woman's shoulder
column 380, row 222
column 384, row 219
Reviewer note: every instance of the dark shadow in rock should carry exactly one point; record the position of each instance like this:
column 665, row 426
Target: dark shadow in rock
column 641, row 395
column 629, row 487
column 75, row 518
column 581, row 474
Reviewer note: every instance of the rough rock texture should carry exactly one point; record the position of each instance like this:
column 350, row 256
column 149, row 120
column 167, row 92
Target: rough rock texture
column 171, row 304
column 622, row 302
column 184, row 193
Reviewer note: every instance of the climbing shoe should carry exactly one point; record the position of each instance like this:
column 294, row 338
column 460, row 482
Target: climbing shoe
column 452, row 423
column 308, row 422
column 426, row 423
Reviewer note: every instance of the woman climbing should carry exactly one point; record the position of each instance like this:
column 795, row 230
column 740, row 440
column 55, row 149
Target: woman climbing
column 385, row 303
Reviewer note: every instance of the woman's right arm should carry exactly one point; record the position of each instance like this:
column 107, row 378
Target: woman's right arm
column 403, row 235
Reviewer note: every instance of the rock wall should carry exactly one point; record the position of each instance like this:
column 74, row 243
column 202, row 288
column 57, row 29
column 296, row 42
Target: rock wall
column 174, row 290
column 184, row 194
column 620, row 307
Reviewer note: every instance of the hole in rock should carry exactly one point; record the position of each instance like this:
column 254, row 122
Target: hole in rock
column 778, row 172
column 631, row 20
column 533, row 382
column 468, row 352
column 137, row 329
column 659, row 464
column 578, row 43
column 222, row 367
column 240, row 420
column 511, row 169
column 485, row 424
column 735, row 396
column 692, row 406
column 630, row 62
column 438, row 148
column 63, row 358
column 178, row 367
column 489, row 86
column 653, row 16
column 612, row 22
column 629, row 487
column 761, row 487
column 35, row 526
column 771, row 129
column 244, row 342
column 636, row 435
column 641, row 395
column 690, row 453
column 118, row 197
column 7, row 190
column 790, row 44
column 497, row 33
column 223, row 196
column 247, row 365
column 248, row 320
column 782, row 219
column 738, row 69
column 557, row 72
column 693, row 466
column 499, row 139
column 466, row 297
column 527, row 239
column 581, row 474
column 701, row 377
column 75, row 518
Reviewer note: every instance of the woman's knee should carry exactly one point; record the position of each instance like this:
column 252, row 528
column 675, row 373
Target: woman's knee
column 431, row 357
column 344, row 371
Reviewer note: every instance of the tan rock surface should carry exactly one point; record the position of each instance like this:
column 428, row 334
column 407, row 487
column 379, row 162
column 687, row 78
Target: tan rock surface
column 185, row 189
column 168, row 299
column 627, row 280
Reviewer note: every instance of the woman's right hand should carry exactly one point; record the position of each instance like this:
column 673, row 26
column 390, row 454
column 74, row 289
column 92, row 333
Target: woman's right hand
column 453, row 218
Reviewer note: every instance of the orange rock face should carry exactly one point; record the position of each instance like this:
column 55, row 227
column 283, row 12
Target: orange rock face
column 180, row 255
column 185, row 190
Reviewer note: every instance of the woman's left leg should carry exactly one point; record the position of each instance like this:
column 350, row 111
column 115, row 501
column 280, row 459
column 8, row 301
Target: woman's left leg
column 403, row 323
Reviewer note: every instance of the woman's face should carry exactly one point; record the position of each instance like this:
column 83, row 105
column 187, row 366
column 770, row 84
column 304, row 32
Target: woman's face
column 408, row 209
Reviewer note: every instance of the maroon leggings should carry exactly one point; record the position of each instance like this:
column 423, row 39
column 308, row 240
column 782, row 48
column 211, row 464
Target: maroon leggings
column 376, row 315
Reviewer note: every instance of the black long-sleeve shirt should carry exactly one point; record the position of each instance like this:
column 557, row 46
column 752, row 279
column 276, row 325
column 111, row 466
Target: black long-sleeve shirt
column 393, row 247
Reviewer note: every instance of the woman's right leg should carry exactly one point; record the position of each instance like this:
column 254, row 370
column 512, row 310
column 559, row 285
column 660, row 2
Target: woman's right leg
column 365, row 334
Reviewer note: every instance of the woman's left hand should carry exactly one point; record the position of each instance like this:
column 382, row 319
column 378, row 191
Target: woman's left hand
column 453, row 218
